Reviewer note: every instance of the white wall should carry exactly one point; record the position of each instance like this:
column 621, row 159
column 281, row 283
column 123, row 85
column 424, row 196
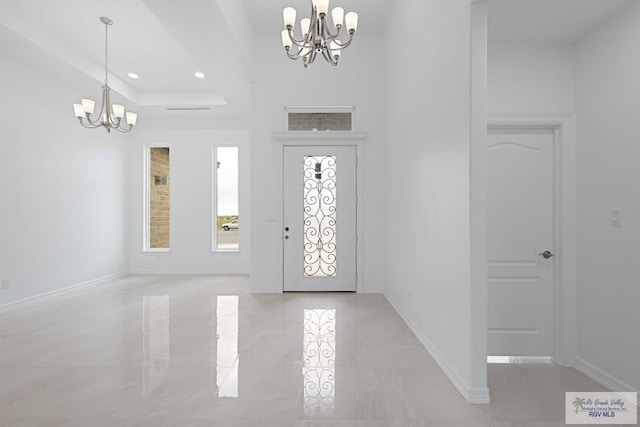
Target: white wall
column 428, row 158
column 530, row 78
column 358, row 81
column 191, row 143
column 63, row 187
column 607, row 99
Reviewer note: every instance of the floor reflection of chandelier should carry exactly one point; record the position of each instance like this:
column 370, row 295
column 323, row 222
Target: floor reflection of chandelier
column 316, row 36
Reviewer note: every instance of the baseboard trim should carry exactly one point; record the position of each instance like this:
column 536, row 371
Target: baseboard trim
column 34, row 301
column 604, row 378
column 475, row 395
column 369, row 291
column 143, row 272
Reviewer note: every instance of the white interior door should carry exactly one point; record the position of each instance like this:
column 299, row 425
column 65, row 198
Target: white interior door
column 319, row 218
column 520, row 230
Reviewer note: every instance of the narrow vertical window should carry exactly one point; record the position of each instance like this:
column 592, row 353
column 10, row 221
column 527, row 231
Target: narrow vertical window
column 158, row 205
column 227, row 220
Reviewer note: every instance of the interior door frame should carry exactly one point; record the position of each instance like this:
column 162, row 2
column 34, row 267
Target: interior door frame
column 333, row 138
column 565, row 221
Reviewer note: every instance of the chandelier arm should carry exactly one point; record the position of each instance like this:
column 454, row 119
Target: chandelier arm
column 296, row 55
column 327, row 57
column 111, row 121
column 297, row 42
column 106, row 100
column 96, row 123
column 304, row 44
column 117, row 123
column 341, row 44
column 311, row 57
column 327, row 31
column 90, row 125
column 123, row 130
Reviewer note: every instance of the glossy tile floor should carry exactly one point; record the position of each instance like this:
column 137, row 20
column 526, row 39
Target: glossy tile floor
column 202, row 351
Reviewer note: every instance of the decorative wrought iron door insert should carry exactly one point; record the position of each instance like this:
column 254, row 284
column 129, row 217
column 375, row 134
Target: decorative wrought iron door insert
column 319, row 216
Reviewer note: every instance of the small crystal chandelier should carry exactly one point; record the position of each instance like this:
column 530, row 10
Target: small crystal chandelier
column 316, row 35
column 110, row 116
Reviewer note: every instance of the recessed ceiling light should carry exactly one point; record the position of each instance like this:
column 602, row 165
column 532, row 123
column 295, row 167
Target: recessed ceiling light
column 199, row 75
column 133, row 75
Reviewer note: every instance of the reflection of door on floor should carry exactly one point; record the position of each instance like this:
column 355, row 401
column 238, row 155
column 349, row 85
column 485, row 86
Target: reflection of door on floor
column 319, row 218
column 520, row 229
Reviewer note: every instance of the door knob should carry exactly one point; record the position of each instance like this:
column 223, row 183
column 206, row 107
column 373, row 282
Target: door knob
column 546, row 254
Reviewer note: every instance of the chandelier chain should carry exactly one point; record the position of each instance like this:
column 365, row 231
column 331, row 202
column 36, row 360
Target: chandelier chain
column 106, row 53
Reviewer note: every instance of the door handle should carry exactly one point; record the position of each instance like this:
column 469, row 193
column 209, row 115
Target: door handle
column 546, row 254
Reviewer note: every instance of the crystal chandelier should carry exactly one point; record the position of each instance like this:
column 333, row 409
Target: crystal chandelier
column 316, row 33
column 111, row 115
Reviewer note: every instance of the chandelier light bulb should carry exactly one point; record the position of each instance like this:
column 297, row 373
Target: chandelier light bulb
column 289, row 17
column 88, row 105
column 286, row 40
column 335, row 49
column 118, row 111
column 351, row 19
column 132, row 118
column 78, row 110
column 319, row 37
column 304, row 26
column 321, row 6
column 338, row 16
column 110, row 115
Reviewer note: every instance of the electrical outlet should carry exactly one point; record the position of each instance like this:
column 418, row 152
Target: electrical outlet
column 6, row 284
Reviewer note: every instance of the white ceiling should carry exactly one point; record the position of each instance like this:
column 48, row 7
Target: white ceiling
column 544, row 21
column 166, row 41
column 163, row 41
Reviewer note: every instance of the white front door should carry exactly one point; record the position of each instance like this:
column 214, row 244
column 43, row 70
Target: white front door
column 520, row 230
column 319, row 218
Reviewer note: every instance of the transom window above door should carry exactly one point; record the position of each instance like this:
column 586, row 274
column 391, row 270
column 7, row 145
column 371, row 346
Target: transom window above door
column 319, row 119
